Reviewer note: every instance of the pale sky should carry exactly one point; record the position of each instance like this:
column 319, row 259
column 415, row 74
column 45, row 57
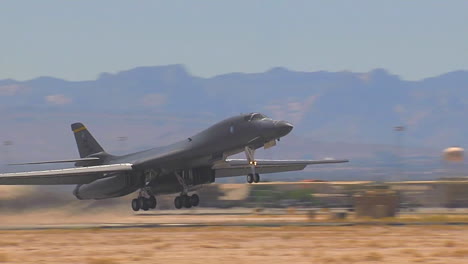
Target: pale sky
column 77, row 40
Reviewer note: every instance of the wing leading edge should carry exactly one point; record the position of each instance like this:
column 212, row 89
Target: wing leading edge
column 240, row 167
column 80, row 175
column 57, row 161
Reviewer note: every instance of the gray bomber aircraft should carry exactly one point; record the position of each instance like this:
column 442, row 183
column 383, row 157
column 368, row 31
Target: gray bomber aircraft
column 181, row 167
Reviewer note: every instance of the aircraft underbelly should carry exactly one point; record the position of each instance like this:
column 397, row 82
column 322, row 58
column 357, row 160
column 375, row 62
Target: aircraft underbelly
column 193, row 178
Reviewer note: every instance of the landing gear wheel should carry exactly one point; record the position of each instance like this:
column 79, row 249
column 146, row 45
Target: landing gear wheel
column 256, row 178
column 186, row 201
column 152, row 202
column 135, row 205
column 178, row 202
column 144, row 205
column 194, row 200
column 250, row 178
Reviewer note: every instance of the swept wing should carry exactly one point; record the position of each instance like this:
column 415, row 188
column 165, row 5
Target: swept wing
column 57, row 161
column 239, row 167
column 80, row 175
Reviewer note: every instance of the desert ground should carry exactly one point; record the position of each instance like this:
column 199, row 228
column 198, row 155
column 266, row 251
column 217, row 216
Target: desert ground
column 74, row 234
column 356, row 244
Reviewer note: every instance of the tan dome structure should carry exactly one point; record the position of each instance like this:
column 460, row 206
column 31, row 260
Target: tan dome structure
column 454, row 154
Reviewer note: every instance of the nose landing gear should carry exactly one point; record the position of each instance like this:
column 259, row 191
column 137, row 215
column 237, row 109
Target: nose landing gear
column 250, row 155
column 253, row 178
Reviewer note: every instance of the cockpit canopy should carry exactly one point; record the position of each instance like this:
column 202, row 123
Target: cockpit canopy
column 255, row 116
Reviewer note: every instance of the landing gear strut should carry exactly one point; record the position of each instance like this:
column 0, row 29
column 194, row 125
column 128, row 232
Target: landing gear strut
column 184, row 200
column 146, row 199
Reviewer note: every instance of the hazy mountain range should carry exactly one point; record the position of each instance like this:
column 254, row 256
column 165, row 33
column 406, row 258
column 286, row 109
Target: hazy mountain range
column 339, row 114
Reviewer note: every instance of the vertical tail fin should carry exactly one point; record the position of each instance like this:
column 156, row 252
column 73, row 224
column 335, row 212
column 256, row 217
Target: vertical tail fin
column 86, row 143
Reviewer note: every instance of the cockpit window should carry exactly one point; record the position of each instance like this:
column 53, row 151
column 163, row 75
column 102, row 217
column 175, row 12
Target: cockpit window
column 257, row 117
column 254, row 117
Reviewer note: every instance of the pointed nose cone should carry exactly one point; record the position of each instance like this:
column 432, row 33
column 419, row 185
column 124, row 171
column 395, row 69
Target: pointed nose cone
column 283, row 128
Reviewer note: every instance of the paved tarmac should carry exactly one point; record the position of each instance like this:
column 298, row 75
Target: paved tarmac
column 243, row 224
column 237, row 217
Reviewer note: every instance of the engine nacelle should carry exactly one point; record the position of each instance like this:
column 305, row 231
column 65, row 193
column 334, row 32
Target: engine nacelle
column 125, row 183
column 115, row 186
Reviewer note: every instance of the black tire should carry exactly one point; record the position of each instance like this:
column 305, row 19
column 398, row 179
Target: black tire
column 152, row 202
column 250, row 178
column 186, row 201
column 256, row 178
column 135, row 205
column 194, row 200
column 143, row 203
column 178, row 202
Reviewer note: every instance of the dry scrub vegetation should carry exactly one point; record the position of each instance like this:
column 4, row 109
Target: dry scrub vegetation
column 359, row 244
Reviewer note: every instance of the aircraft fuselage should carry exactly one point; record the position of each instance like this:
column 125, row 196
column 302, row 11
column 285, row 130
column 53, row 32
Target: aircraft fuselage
column 192, row 158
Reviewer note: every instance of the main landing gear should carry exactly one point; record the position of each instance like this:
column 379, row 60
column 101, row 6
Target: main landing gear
column 186, row 201
column 145, row 201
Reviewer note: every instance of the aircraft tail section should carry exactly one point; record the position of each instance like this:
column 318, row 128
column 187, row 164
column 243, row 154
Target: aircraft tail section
column 87, row 144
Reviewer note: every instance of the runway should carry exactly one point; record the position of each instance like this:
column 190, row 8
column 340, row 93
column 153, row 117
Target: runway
column 203, row 217
column 200, row 225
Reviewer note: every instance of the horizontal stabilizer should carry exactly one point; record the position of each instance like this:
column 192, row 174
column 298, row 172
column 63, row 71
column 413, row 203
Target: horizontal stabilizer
column 56, row 161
